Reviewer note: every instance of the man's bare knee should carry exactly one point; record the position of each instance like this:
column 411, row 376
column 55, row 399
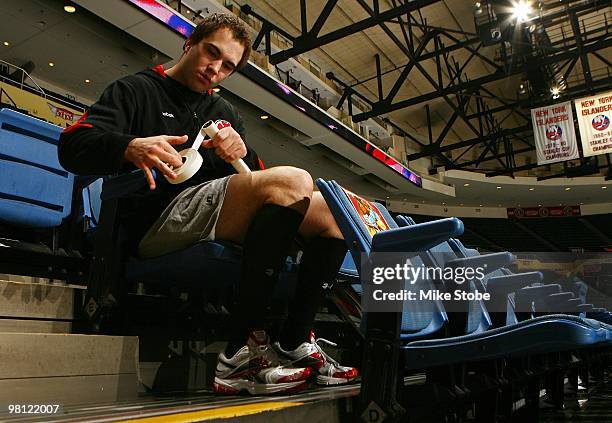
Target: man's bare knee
column 286, row 186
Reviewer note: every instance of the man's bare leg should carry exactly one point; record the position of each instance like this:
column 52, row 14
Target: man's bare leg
column 319, row 222
column 247, row 193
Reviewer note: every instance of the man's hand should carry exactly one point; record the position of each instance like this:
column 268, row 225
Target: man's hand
column 150, row 152
column 227, row 144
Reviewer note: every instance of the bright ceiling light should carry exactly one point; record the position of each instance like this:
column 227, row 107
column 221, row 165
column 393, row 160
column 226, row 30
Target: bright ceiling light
column 555, row 92
column 531, row 189
column 6, row 43
column 567, row 188
column 498, row 187
column 467, row 184
column 521, row 10
column 604, row 187
column 87, row 81
column 69, row 8
column 264, row 117
column 51, row 64
column 216, row 89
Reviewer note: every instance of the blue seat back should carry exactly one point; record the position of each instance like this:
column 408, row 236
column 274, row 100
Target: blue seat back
column 359, row 219
column 478, row 317
column 92, row 201
column 35, row 190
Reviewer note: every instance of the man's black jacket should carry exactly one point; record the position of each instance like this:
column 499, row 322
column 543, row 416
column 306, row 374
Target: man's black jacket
column 148, row 103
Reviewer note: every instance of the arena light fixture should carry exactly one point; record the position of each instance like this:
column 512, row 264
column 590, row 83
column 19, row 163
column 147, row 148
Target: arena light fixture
column 498, row 187
column 216, row 89
column 69, row 7
column 467, row 184
column 568, row 188
column 6, row 43
column 555, row 91
column 87, row 81
column 531, row 189
column 604, row 187
column 51, row 64
column 265, row 117
column 521, row 10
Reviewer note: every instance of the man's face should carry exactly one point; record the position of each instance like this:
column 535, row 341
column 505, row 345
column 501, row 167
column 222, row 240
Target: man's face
column 210, row 61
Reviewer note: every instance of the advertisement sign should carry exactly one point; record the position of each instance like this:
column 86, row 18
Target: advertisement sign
column 554, row 211
column 44, row 108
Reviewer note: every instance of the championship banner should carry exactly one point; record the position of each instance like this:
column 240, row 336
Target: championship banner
column 594, row 114
column 553, row 130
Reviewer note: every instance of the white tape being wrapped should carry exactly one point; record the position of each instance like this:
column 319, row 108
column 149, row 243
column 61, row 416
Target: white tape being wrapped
column 191, row 164
column 193, row 160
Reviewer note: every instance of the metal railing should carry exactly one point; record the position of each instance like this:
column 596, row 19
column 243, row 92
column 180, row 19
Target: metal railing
column 20, row 77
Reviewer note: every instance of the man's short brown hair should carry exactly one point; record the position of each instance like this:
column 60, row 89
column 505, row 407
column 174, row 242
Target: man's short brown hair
column 216, row 21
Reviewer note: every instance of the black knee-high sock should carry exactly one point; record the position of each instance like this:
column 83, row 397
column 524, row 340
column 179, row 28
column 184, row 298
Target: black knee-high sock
column 320, row 264
column 266, row 245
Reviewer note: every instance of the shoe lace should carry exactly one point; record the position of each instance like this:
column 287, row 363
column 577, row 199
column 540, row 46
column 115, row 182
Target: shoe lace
column 322, row 352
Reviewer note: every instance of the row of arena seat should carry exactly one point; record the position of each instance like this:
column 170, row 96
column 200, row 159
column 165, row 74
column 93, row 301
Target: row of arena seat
column 476, row 355
column 36, row 196
column 471, row 344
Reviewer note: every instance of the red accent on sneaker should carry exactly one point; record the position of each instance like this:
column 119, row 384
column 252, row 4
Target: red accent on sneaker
column 303, row 375
column 221, row 389
column 320, row 361
column 311, row 337
column 349, row 374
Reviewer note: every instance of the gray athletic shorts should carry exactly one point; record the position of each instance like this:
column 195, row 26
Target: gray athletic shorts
column 189, row 218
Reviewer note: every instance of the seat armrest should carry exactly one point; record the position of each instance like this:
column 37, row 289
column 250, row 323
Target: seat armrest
column 417, row 238
column 491, row 261
column 584, row 307
column 504, row 285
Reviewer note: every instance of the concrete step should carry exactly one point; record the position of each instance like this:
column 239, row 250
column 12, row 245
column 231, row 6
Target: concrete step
column 36, row 305
column 63, row 367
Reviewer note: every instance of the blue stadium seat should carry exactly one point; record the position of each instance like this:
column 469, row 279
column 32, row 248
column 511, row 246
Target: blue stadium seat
column 209, row 268
column 35, row 190
column 36, row 196
column 368, row 229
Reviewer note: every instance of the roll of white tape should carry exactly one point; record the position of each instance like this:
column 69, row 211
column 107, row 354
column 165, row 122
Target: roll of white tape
column 192, row 161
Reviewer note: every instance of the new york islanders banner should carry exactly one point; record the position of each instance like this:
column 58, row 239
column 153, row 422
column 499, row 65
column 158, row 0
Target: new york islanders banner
column 553, row 130
column 594, row 115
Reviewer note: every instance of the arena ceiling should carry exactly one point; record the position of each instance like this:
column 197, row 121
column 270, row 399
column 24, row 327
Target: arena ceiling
column 457, row 77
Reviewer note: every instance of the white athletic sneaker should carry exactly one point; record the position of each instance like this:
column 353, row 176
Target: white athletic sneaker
column 310, row 354
column 256, row 368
